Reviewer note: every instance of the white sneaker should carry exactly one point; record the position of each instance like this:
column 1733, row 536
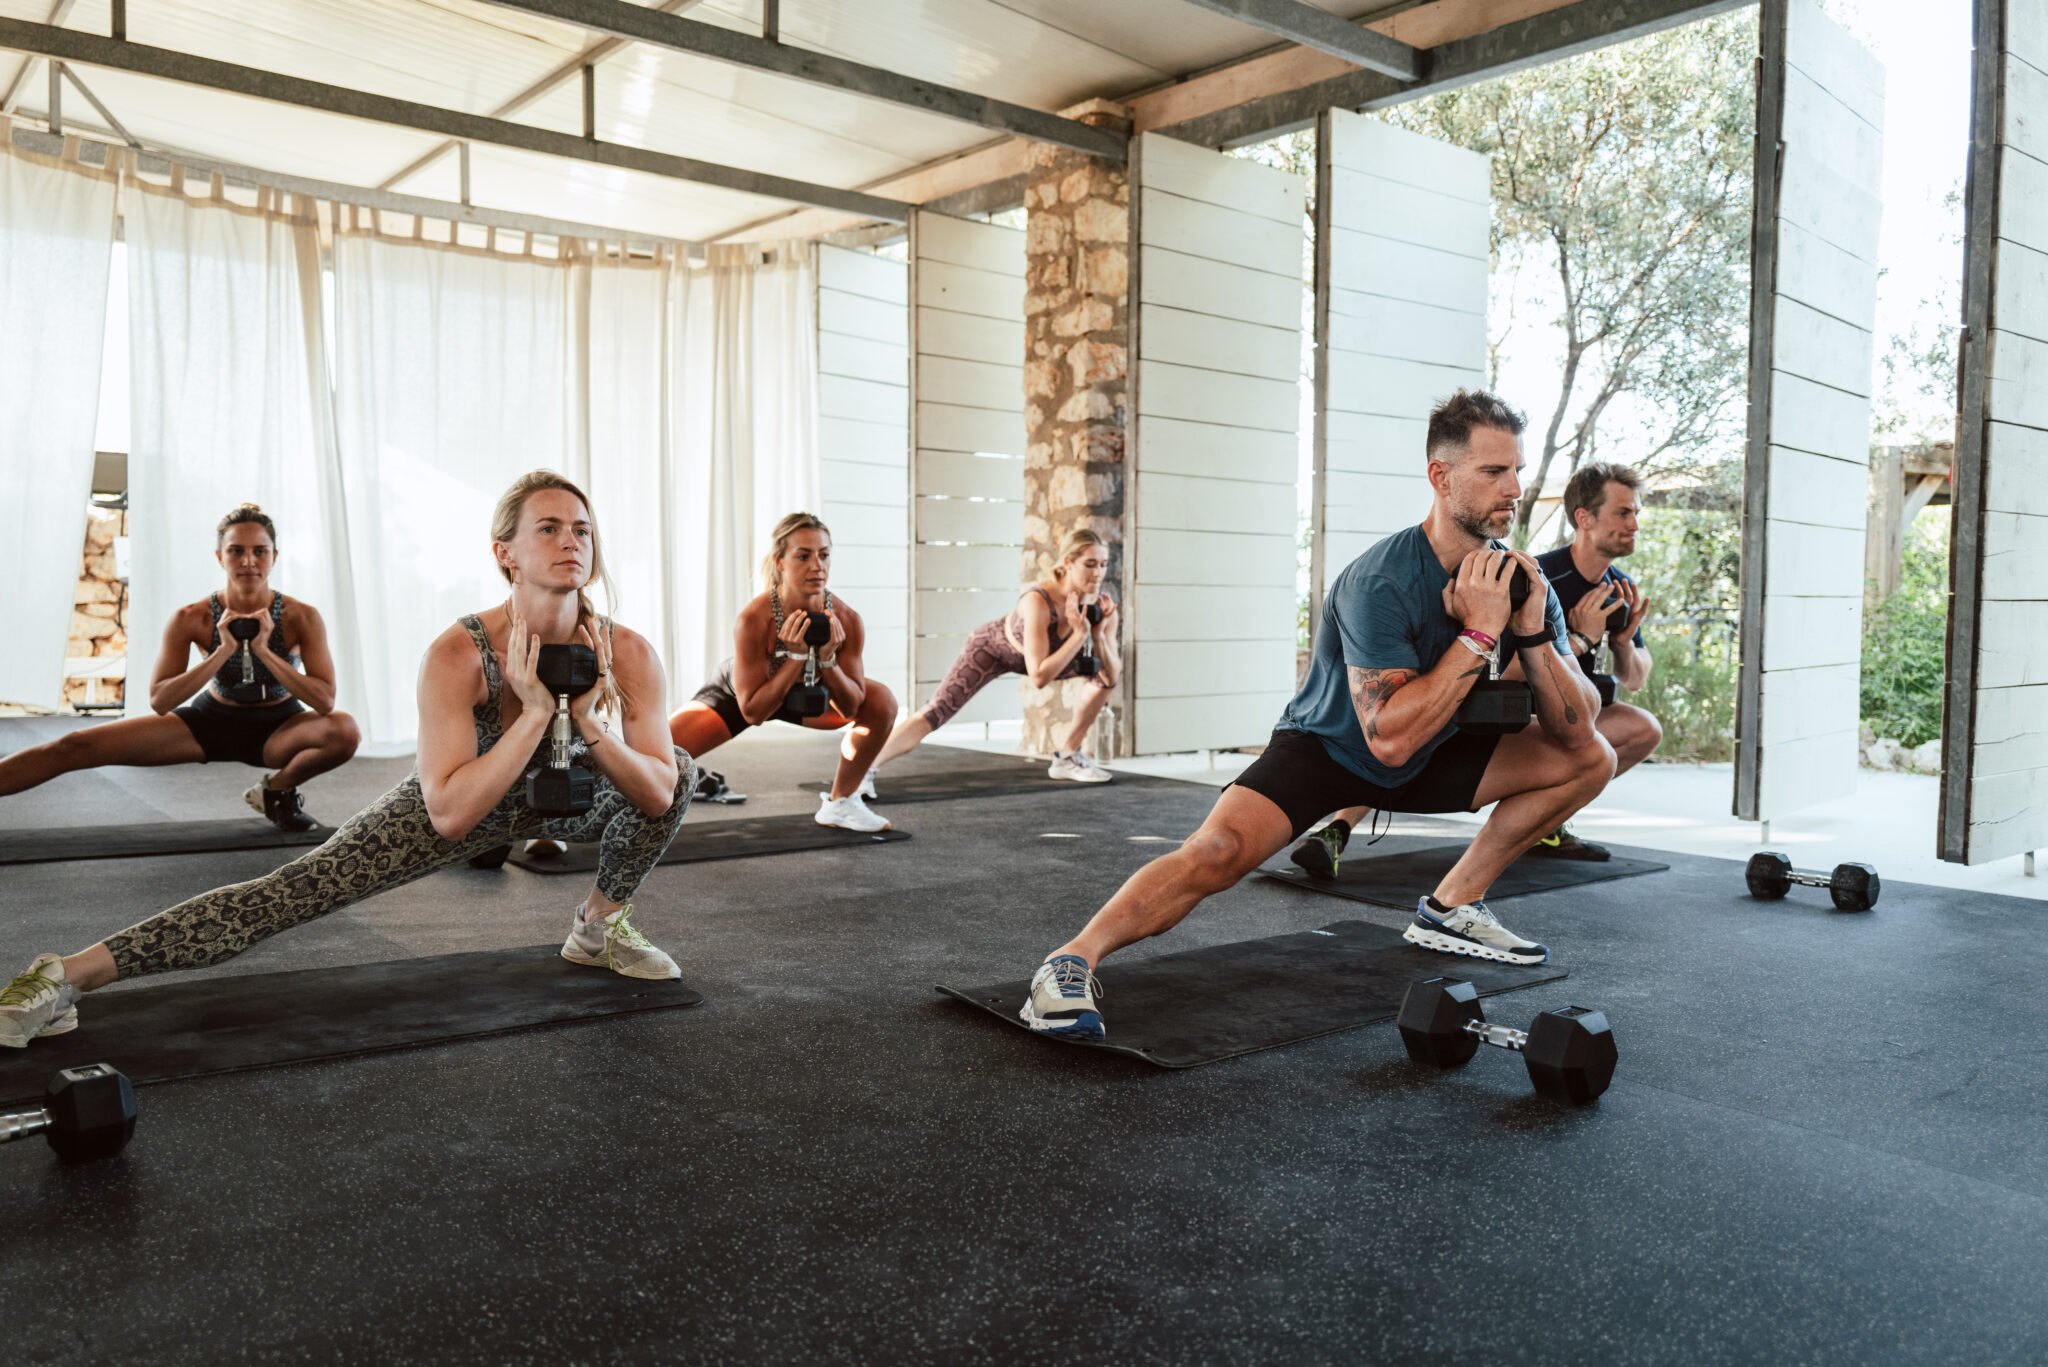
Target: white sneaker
column 866, row 791
column 848, row 813
column 1471, row 930
column 614, row 942
column 1077, row 767
column 1062, row 1000
column 37, row 1002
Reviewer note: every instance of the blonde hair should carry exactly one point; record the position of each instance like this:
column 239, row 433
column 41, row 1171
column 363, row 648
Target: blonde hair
column 505, row 526
column 779, row 542
column 1073, row 544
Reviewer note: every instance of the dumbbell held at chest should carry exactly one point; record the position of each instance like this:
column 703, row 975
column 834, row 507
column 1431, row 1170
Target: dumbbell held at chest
column 88, row 1112
column 1500, row 707
column 245, row 630
column 1086, row 666
column 809, row 698
column 1570, row 1054
column 558, row 788
column 1853, row 887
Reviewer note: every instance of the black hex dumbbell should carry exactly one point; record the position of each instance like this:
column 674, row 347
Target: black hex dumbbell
column 1603, row 684
column 1570, row 1053
column 1854, row 887
column 245, row 630
column 558, row 788
column 1086, row 666
column 809, row 698
column 1500, row 707
column 87, row 1112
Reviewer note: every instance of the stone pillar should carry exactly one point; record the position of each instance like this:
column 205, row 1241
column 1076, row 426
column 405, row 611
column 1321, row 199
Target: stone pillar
column 99, row 606
column 1076, row 385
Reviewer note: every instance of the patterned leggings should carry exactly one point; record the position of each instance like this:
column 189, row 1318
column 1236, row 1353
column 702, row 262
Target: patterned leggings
column 388, row 844
column 988, row 655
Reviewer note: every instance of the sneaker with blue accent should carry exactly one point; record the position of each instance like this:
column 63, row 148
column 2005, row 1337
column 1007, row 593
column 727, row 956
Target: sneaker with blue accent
column 1062, row 999
column 1471, row 930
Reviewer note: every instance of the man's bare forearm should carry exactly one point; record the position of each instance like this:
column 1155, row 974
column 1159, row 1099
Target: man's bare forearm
column 1565, row 699
column 1631, row 666
column 1401, row 711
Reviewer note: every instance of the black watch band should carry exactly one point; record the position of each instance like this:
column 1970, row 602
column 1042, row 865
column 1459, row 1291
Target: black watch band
column 1529, row 642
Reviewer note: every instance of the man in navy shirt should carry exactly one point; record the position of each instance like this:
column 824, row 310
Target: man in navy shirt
column 1407, row 629
column 1601, row 506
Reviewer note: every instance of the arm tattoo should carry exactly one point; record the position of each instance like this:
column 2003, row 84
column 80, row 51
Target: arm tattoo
column 1571, row 714
column 1369, row 689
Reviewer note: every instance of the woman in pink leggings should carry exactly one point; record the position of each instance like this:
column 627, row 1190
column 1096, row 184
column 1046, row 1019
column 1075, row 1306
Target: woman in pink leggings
column 1046, row 637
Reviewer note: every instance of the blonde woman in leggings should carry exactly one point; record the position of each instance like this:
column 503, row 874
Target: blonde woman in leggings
column 1045, row 638
column 483, row 716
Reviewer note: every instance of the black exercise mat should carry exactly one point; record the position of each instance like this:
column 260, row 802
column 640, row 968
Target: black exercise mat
column 950, row 783
column 1401, row 880
column 1202, row 1005
column 49, row 844
column 720, row 840
column 194, row 1027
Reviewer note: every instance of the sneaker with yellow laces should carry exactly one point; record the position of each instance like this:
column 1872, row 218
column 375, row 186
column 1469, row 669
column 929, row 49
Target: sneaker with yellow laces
column 38, row 1002
column 614, row 942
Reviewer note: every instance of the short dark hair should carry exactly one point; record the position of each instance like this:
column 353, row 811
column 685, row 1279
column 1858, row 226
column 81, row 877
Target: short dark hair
column 1587, row 488
column 1451, row 422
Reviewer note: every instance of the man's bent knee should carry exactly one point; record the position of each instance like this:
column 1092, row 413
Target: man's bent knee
column 1217, row 858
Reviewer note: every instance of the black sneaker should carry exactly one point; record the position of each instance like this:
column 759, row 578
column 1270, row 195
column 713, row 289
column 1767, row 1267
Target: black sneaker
column 1562, row 844
column 280, row 807
column 1318, row 852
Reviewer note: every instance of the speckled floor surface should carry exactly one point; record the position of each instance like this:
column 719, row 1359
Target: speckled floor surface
column 1825, row 1141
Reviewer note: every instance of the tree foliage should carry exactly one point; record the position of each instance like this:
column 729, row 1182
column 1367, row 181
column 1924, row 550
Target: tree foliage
column 1621, row 219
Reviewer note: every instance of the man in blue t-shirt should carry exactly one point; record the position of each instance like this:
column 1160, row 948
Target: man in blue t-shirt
column 1601, row 507
column 1407, row 629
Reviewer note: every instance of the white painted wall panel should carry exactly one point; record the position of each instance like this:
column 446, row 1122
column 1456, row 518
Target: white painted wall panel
column 1209, row 520
column 1812, row 310
column 966, row 296
column 1400, row 323
column 863, row 447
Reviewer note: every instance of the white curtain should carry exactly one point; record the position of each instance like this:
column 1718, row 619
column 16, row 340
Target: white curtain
column 452, row 378
column 56, row 241
column 619, row 330
column 745, row 373
column 231, row 405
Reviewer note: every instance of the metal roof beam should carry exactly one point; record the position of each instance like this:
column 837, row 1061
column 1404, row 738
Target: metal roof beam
column 86, row 49
column 643, row 25
column 590, row 56
column 1302, row 23
column 1548, row 37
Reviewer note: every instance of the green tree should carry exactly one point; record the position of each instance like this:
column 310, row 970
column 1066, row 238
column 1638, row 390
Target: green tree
column 1622, row 213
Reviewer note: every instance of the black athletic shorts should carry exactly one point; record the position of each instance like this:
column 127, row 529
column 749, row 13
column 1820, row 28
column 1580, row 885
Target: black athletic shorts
column 1297, row 773
column 718, row 695
column 234, row 735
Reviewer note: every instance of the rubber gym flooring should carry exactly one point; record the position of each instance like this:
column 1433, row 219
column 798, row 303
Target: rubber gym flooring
column 1824, row 1142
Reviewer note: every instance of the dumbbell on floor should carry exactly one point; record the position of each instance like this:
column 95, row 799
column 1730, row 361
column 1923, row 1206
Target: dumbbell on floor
column 1854, row 887
column 87, row 1112
column 1570, row 1054
column 557, row 788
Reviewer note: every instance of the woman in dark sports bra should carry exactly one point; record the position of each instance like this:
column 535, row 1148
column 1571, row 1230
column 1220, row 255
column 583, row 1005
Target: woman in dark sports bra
column 270, row 704
column 1046, row 637
column 484, row 723
column 762, row 682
